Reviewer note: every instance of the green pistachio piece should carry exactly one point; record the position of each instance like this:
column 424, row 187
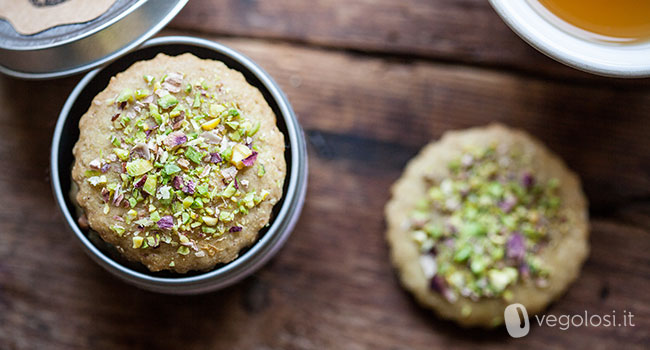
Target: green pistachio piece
column 153, row 111
column 183, row 250
column 230, row 190
column 227, row 154
column 208, row 230
column 500, row 279
column 254, row 130
column 154, row 216
column 202, row 189
column 433, row 230
column 456, row 279
column 197, row 203
column 185, row 217
column 171, row 168
column 140, row 136
column 167, row 101
column 150, row 185
column 435, row 194
column 232, row 125
column 454, row 165
column 234, row 136
column 91, row 173
column 192, row 154
column 226, row 216
column 126, row 95
column 263, row 195
column 249, row 200
column 463, row 253
column 175, row 112
column 138, row 167
column 122, row 154
column 478, row 265
column 510, row 222
column 141, row 93
column 153, row 241
column 210, row 221
column 137, row 241
column 473, row 229
column 132, row 214
column 498, row 253
column 495, row 189
column 118, row 229
column 216, row 109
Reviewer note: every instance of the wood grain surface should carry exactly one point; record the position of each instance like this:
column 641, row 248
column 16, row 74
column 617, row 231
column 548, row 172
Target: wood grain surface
column 371, row 83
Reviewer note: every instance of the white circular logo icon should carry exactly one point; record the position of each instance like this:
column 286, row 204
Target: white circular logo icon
column 517, row 322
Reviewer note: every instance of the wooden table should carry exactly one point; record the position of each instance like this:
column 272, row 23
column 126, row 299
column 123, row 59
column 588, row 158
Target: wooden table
column 371, row 81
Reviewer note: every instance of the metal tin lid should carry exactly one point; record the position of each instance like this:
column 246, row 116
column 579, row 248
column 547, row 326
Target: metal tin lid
column 69, row 49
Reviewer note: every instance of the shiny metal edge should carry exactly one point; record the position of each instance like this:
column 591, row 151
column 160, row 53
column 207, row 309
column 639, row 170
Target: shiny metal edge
column 261, row 251
column 44, row 39
column 93, row 49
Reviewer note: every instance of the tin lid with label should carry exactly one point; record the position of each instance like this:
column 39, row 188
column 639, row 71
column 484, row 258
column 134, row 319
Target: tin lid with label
column 73, row 48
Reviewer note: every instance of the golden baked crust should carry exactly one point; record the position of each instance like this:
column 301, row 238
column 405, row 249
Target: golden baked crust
column 207, row 250
column 563, row 255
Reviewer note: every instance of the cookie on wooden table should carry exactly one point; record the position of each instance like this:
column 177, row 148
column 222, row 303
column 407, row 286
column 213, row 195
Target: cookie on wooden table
column 483, row 218
column 179, row 163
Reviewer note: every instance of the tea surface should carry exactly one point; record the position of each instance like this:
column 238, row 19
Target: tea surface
column 615, row 20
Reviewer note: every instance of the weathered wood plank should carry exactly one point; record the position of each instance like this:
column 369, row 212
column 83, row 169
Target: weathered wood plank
column 404, row 105
column 464, row 31
column 332, row 285
column 441, row 28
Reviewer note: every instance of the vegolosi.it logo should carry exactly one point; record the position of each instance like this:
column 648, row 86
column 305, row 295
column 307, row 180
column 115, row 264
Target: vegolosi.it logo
column 518, row 323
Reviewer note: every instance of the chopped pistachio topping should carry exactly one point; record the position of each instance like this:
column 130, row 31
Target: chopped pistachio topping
column 178, row 155
column 126, row 95
column 138, row 167
column 484, row 224
column 167, row 101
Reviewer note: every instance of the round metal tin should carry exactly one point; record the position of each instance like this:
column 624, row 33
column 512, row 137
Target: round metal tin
column 285, row 214
column 73, row 48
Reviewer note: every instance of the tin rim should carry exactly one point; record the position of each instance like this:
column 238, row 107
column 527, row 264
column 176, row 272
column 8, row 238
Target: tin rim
column 262, row 250
column 144, row 18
